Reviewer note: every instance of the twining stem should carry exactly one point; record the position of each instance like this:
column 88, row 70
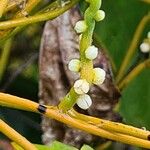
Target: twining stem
column 11, row 5
column 134, row 73
column 132, row 47
column 53, row 112
column 3, row 4
column 8, row 34
column 30, row 5
column 37, row 18
column 86, row 40
column 4, row 57
column 15, row 136
column 111, row 126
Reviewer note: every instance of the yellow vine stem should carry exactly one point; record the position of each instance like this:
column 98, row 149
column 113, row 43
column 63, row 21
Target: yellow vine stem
column 36, row 18
column 111, row 126
column 134, row 73
column 7, row 34
column 15, row 136
column 4, row 56
column 11, row 5
column 29, row 6
column 3, row 4
column 54, row 113
column 132, row 47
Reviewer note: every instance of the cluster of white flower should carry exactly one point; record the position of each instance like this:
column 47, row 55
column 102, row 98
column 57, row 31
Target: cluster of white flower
column 145, row 46
column 81, row 86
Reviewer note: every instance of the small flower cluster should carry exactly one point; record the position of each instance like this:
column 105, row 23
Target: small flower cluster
column 81, row 86
column 145, row 46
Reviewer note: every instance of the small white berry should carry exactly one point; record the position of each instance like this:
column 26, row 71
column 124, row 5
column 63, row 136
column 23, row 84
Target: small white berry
column 80, row 26
column 145, row 47
column 99, row 76
column 91, row 52
column 84, row 101
column 100, row 15
column 74, row 65
column 81, row 86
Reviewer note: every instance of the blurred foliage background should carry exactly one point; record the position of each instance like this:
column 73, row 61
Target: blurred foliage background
column 114, row 34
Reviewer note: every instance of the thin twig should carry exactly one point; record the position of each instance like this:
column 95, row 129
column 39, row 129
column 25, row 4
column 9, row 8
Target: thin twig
column 13, row 4
column 7, row 34
column 29, row 6
column 36, row 18
column 3, row 4
column 4, row 57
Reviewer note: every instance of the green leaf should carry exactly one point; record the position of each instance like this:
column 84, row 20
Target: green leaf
column 42, row 147
column 86, row 147
column 135, row 101
column 60, row 146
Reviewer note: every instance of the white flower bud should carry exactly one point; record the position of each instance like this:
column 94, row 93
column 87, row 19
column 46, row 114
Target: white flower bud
column 145, row 47
column 99, row 76
column 74, row 65
column 91, row 52
column 100, row 15
column 80, row 26
column 81, row 86
column 84, row 101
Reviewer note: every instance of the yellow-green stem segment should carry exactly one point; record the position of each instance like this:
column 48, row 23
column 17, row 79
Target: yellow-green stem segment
column 4, row 57
column 37, row 18
column 3, row 4
column 86, row 40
